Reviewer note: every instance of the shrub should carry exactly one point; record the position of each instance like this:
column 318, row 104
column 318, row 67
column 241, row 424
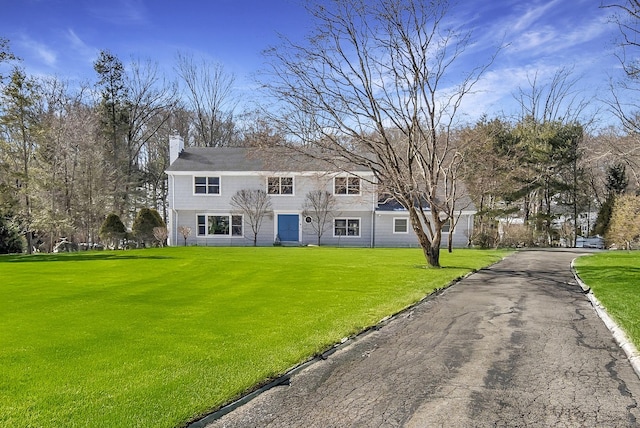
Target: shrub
column 113, row 230
column 146, row 220
column 516, row 235
column 624, row 227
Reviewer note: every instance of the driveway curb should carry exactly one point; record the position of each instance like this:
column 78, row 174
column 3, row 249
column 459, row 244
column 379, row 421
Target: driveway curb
column 618, row 334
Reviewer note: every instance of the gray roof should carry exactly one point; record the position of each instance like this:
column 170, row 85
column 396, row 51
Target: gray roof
column 463, row 202
column 249, row 159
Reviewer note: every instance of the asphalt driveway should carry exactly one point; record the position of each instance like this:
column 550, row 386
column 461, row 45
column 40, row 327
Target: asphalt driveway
column 515, row 345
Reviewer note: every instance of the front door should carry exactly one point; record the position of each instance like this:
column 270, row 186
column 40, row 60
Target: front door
column 288, row 227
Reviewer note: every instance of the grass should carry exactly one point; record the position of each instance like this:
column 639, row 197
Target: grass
column 158, row 337
column 614, row 278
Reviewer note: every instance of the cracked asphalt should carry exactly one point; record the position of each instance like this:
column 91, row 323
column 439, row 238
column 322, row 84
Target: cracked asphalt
column 514, row 345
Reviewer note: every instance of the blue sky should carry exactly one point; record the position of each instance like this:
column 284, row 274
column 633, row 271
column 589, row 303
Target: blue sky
column 63, row 37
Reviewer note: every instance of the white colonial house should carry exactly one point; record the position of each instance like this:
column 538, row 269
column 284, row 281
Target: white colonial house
column 202, row 181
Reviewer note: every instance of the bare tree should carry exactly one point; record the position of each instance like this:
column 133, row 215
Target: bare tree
column 258, row 131
column 626, row 14
column 255, row 205
column 375, row 84
column 210, row 93
column 320, row 206
column 185, row 231
column 150, row 105
column 624, row 92
column 161, row 234
column 557, row 99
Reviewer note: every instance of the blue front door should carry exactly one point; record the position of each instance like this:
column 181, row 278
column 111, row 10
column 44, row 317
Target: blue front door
column 288, row 227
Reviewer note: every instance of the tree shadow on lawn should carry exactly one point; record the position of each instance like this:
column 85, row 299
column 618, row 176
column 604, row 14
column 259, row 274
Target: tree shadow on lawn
column 76, row 257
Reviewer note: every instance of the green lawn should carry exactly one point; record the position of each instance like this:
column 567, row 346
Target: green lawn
column 614, row 277
column 158, row 337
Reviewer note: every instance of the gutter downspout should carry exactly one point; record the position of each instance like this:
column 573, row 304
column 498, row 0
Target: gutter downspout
column 373, row 219
column 174, row 213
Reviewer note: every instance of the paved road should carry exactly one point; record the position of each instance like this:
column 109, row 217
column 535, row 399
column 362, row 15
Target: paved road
column 516, row 345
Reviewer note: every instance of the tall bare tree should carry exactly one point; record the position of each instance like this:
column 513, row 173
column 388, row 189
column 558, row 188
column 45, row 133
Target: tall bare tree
column 151, row 100
column 557, row 99
column 624, row 92
column 626, row 15
column 209, row 89
column 379, row 85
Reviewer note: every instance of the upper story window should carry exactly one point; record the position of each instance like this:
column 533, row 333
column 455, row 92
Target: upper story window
column 280, row 185
column 346, row 186
column 206, row 185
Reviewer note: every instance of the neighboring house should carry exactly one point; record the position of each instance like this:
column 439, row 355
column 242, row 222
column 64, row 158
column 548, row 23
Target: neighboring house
column 203, row 180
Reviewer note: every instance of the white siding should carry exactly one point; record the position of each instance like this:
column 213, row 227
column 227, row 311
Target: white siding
column 186, row 206
column 376, row 227
column 384, row 236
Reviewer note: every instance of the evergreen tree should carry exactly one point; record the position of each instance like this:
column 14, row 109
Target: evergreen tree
column 114, row 117
column 113, row 230
column 146, row 220
column 10, row 239
column 617, row 180
column 617, row 183
column 21, row 128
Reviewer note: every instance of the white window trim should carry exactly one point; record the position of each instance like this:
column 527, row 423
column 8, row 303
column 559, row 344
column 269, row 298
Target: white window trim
column 293, row 184
column 209, row 236
column 446, row 232
column 395, row 232
column 359, row 235
column 193, row 184
column 348, row 194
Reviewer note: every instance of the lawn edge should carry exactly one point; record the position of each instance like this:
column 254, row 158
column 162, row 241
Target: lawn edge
column 618, row 333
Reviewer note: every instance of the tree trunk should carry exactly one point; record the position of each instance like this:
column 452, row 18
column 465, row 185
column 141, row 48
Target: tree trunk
column 433, row 256
column 431, row 249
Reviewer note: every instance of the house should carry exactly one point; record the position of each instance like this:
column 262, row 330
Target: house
column 203, row 180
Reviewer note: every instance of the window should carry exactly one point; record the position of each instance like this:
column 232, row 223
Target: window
column 280, row 185
column 347, row 186
column 346, row 227
column 206, row 185
column 202, row 225
column 446, row 227
column 220, row 225
column 400, row 225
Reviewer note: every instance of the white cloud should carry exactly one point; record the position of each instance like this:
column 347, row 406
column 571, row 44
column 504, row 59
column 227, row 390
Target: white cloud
column 532, row 14
column 87, row 52
column 120, row 11
column 39, row 50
